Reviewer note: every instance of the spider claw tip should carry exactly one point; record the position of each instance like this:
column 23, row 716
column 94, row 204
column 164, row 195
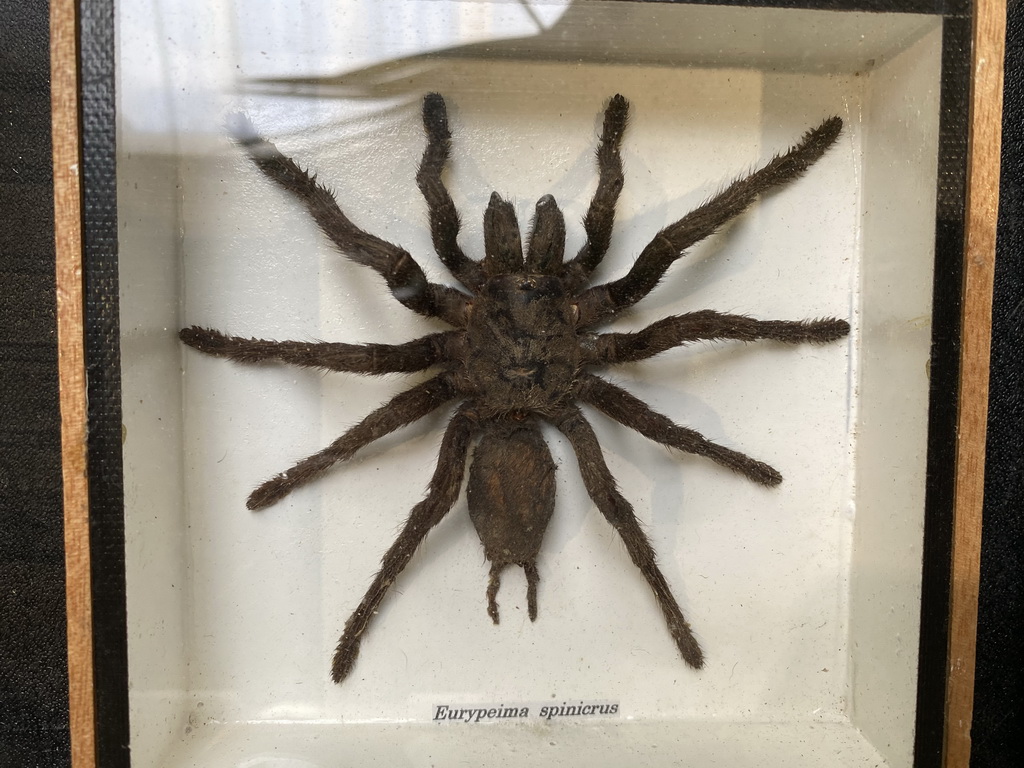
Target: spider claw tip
column 339, row 670
column 435, row 117
column 829, row 129
column 260, row 499
column 241, row 128
column 766, row 475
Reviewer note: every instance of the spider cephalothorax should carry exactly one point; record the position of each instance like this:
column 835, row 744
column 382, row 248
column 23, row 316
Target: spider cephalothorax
column 521, row 353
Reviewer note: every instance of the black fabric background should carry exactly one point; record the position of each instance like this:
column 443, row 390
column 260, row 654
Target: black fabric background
column 33, row 669
column 999, row 681
column 33, row 649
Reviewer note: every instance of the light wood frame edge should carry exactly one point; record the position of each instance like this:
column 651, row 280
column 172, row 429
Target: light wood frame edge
column 67, row 205
column 984, row 144
column 979, row 269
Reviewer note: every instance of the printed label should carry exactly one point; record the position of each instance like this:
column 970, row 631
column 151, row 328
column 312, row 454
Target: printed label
column 492, row 713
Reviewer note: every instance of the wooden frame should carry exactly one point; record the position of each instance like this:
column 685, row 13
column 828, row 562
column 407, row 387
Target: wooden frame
column 982, row 201
column 67, row 196
column 980, row 251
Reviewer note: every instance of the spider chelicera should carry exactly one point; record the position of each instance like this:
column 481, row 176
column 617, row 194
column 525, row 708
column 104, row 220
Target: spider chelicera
column 522, row 352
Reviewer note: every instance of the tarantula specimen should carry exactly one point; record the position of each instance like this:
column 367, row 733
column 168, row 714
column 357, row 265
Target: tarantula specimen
column 522, row 352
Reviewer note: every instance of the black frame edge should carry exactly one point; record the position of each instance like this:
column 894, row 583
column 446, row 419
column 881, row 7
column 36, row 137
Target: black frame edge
column 96, row 24
column 945, row 8
column 944, row 394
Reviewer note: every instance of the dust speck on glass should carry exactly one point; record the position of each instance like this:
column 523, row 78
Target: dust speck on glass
column 522, row 352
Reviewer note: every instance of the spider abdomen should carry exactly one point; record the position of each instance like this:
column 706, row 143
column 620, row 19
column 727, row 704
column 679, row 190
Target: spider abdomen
column 511, row 497
column 523, row 351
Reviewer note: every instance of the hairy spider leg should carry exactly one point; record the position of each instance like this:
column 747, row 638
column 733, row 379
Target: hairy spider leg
column 630, row 411
column 444, row 218
column 709, row 325
column 503, row 242
column 600, row 217
column 405, row 408
column 416, row 355
column 546, row 243
column 601, row 486
column 400, row 271
column 442, row 494
column 604, row 301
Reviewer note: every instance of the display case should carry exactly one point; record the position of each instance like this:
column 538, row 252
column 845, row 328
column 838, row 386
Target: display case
column 822, row 604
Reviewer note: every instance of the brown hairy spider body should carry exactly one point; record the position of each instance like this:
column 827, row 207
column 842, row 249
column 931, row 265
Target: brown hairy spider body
column 521, row 353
